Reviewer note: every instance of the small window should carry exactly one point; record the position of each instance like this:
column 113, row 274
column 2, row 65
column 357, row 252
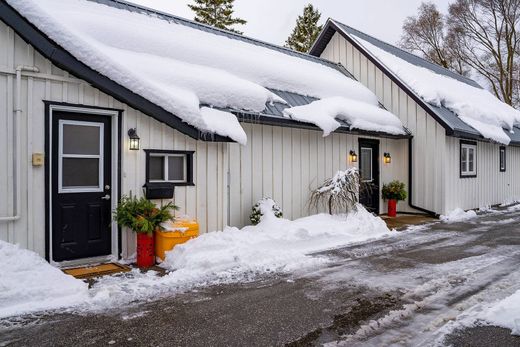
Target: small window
column 502, row 153
column 173, row 167
column 468, row 159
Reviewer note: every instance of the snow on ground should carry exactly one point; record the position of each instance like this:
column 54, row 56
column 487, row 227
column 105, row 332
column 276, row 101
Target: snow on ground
column 359, row 115
column 28, row 283
column 476, row 107
column 504, row 313
column 273, row 246
column 458, row 215
column 179, row 67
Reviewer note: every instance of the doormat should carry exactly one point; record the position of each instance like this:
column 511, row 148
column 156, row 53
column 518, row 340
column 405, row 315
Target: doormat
column 97, row 270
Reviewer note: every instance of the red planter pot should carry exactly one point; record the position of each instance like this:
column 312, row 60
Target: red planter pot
column 392, row 208
column 145, row 250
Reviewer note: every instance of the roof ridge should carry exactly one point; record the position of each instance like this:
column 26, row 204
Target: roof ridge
column 218, row 31
column 406, row 52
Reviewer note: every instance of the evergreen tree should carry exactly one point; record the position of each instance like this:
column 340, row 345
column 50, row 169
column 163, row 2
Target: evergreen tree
column 306, row 30
column 217, row 13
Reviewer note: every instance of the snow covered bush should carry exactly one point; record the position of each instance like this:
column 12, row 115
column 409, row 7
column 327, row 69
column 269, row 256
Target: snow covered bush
column 339, row 193
column 263, row 207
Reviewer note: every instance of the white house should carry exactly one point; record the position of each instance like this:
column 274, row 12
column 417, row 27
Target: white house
column 465, row 150
column 222, row 120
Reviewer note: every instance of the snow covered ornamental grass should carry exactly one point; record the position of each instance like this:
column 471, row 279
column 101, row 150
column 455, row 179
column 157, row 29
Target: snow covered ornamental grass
column 184, row 69
column 474, row 106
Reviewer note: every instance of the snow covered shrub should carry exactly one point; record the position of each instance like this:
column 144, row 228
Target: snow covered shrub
column 264, row 207
column 394, row 190
column 339, row 193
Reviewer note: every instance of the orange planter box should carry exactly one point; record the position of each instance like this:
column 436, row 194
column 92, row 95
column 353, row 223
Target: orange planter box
column 174, row 234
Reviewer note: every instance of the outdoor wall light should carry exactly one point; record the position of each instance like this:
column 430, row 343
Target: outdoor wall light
column 387, row 158
column 134, row 139
column 353, row 157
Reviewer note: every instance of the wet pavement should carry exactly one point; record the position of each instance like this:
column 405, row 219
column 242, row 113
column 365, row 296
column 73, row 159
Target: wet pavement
column 406, row 290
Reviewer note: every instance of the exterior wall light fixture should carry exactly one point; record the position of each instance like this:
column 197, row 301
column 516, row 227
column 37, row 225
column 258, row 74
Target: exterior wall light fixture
column 387, row 158
column 353, row 157
column 134, row 139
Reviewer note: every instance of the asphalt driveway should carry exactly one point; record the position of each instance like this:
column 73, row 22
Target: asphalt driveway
column 403, row 291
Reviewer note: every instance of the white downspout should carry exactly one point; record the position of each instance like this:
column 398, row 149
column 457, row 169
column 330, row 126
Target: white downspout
column 16, row 143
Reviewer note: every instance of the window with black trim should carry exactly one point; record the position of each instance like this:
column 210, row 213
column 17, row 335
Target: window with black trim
column 468, row 159
column 502, row 154
column 173, row 167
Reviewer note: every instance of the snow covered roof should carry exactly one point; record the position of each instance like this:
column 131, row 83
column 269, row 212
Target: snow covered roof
column 187, row 68
column 460, row 104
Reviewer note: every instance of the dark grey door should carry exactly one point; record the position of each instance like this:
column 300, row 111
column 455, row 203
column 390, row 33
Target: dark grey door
column 369, row 172
column 81, row 178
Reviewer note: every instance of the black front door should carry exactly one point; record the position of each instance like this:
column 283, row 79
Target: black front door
column 80, row 186
column 369, row 172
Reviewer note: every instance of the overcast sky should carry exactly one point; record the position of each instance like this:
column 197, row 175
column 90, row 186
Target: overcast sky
column 273, row 20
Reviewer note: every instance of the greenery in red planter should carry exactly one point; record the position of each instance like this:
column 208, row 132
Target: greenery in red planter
column 141, row 215
column 394, row 190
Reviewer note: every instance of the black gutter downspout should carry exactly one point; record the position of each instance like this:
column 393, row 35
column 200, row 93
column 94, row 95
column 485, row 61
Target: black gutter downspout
column 410, row 183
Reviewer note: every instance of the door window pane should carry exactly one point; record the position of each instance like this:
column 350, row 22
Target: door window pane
column 366, row 164
column 81, row 139
column 80, row 172
column 176, row 168
column 156, row 168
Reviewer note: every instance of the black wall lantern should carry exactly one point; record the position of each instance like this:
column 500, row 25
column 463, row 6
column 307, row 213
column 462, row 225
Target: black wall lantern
column 387, row 158
column 134, row 139
column 353, row 157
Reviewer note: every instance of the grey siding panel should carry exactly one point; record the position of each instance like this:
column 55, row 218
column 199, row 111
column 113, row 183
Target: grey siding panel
column 295, row 161
column 428, row 135
column 491, row 186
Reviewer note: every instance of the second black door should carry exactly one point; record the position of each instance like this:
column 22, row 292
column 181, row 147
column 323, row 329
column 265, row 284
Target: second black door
column 369, row 172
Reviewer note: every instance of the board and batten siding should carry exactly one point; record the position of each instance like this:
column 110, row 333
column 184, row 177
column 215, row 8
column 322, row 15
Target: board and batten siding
column 429, row 139
column 287, row 163
column 491, row 186
column 205, row 201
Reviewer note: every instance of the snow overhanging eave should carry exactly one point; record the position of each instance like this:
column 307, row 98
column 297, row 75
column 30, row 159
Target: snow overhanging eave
column 66, row 61
column 261, row 118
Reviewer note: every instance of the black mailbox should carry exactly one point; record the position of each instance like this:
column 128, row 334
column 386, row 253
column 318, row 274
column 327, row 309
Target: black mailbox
column 159, row 190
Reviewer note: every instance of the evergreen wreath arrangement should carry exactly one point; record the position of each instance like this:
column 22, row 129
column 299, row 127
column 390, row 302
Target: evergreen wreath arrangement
column 394, row 190
column 141, row 215
column 265, row 204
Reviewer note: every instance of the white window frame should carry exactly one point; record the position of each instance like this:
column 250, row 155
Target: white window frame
column 371, row 162
column 99, row 157
column 166, row 157
column 464, row 165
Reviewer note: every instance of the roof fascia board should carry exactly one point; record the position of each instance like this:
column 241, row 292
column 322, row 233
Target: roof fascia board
column 64, row 60
column 317, row 50
column 258, row 118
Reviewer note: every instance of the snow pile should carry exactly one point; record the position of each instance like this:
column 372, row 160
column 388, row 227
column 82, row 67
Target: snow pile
column 458, row 215
column 275, row 244
column 179, row 67
column 505, row 313
column 359, row 115
column 476, row 107
column 29, row 284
